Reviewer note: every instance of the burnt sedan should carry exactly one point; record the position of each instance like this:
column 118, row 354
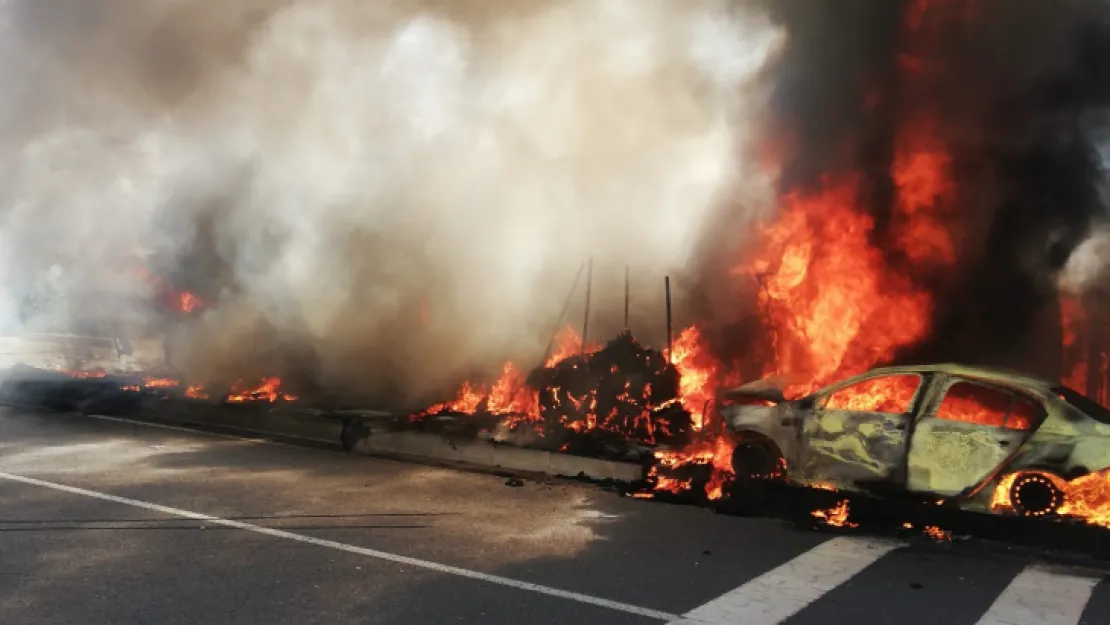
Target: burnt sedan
column 950, row 434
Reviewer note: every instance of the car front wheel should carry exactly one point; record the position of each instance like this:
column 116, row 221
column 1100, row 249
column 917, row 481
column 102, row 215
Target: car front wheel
column 755, row 464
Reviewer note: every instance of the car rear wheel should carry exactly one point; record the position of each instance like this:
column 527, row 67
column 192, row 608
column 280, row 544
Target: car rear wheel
column 1036, row 495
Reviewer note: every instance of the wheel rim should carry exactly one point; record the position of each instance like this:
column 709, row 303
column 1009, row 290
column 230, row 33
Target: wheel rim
column 1035, row 495
column 751, row 460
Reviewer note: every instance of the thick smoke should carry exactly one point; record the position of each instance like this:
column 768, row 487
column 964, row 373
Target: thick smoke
column 374, row 198
column 1015, row 94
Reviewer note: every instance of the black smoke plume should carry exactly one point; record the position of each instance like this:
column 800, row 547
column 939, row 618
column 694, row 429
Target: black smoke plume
column 1018, row 94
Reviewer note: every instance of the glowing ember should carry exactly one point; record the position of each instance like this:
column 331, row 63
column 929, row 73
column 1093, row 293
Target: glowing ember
column 836, row 516
column 938, row 534
column 269, row 391
column 932, row 531
column 160, row 383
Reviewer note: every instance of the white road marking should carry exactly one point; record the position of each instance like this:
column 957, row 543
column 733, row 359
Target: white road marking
column 178, row 428
column 782, row 592
column 331, row 544
column 1040, row 596
column 188, row 430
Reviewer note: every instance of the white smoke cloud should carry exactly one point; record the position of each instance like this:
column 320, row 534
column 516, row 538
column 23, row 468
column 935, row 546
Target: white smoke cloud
column 1088, row 263
column 350, row 164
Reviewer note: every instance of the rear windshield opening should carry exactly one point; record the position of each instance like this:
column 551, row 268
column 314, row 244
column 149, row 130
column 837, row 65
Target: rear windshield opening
column 1088, row 406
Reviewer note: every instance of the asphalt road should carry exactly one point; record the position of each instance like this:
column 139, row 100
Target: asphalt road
column 103, row 521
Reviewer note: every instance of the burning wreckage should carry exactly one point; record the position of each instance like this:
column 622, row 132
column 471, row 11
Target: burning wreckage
column 936, row 165
column 978, row 439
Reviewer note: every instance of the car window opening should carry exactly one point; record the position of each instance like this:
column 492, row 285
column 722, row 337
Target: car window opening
column 891, row 394
column 984, row 405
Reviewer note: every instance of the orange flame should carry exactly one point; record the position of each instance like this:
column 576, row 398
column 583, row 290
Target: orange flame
column 715, row 452
column 924, row 194
column 938, row 534
column 836, row 516
column 699, row 375
column 1073, row 319
column 86, row 375
column 1086, row 498
column 509, row 395
column 196, row 392
column 834, row 307
column 268, row 390
column 187, row 302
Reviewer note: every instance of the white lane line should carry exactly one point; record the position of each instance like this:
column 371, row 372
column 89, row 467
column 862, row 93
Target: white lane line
column 331, row 544
column 782, row 592
column 179, row 428
column 1040, row 596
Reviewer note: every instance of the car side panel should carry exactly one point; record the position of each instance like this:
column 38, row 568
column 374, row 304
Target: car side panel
column 947, row 458
column 1067, row 443
column 778, row 423
column 854, row 449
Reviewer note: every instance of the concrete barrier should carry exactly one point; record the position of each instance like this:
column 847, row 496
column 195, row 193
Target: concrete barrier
column 367, row 432
column 419, row 445
column 247, row 419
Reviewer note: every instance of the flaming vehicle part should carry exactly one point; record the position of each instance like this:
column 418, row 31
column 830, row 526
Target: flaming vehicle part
column 979, row 439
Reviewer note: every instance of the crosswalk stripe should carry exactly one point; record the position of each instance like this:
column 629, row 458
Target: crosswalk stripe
column 783, row 591
column 1040, row 596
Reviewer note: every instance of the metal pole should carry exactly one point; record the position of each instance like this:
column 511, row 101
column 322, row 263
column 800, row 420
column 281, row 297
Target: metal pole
column 562, row 315
column 626, row 298
column 589, row 285
column 670, row 339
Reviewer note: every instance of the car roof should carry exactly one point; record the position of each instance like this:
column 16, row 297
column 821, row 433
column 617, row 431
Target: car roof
column 980, row 372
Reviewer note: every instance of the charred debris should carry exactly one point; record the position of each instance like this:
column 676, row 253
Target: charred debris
column 620, row 402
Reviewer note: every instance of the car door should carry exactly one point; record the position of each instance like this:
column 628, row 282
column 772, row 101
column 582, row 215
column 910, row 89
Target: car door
column 858, row 432
column 966, row 432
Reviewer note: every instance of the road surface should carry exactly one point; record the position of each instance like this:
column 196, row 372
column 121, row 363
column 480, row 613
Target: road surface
column 105, row 521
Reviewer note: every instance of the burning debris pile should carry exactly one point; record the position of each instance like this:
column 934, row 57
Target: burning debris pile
column 622, row 389
column 583, row 401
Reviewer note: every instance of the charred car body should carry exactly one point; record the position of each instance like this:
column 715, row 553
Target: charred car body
column 945, row 433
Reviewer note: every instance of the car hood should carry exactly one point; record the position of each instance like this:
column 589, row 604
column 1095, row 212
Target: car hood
column 767, row 389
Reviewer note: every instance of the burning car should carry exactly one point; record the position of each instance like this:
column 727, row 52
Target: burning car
column 951, row 434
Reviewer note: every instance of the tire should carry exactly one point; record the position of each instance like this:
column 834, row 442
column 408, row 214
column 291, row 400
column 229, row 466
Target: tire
column 756, row 459
column 1036, row 495
column 353, row 431
column 755, row 464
